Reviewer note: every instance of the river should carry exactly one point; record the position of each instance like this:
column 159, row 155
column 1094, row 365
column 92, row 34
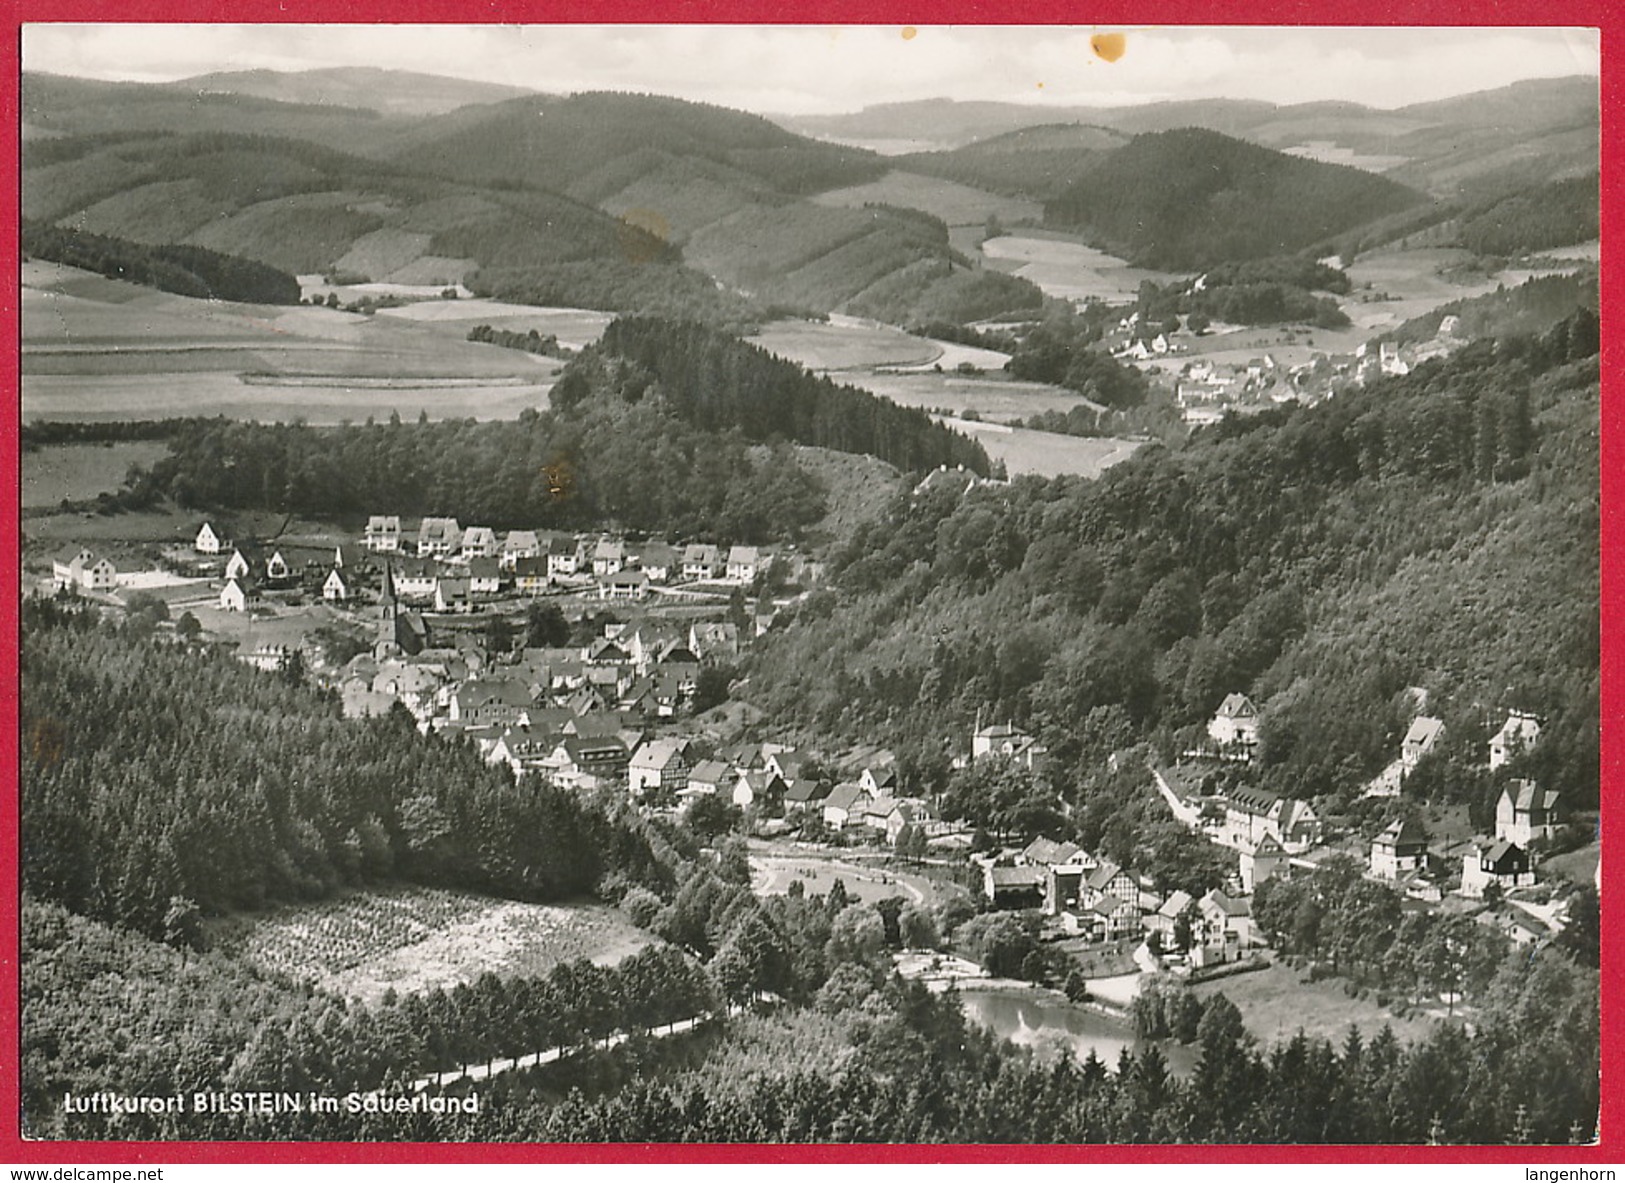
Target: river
column 1031, row 1020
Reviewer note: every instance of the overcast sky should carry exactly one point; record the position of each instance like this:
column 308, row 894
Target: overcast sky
column 819, row 69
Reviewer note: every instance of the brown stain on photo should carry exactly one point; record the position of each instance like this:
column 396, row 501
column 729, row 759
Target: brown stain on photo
column 1108, row 47
column 910, row 32
column 560, row 479
column 644, row 234
column 47, row 740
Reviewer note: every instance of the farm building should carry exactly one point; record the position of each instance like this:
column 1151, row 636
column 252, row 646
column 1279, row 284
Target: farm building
column 80, row 568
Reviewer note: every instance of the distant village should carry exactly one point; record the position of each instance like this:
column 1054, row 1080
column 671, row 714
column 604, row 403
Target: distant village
column 1205, row 390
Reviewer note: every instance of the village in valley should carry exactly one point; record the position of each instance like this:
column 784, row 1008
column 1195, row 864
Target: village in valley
column 618, row 616
column 439, row 620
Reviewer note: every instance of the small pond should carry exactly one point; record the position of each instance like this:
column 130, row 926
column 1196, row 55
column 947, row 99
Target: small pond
column 1033, row 1020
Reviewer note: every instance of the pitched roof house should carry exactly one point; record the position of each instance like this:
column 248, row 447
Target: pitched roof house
column 207, row 541
column 1235, row 723
column 659, row 765
column 520, row 544
column 701, row 560
column 1500, row 862
column 334, row 587
column 842, row 805
column 1424, row 734
column 1520, row 732
column 239, row 595
column 1525, row 812
column 743, row 563
column 608, row 556
column 383, row 533
column 438, row 537
column 1400, row 850
column 479, row 542
column 79, row 567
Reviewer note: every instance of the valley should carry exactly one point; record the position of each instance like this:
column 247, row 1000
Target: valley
column 631, row 620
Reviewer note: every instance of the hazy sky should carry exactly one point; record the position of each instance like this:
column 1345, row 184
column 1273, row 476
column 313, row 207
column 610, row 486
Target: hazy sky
column 817, row 69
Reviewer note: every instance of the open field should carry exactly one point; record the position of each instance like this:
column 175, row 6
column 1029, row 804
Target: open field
column 1068, row 270
column 415, row 939
column 74, row 398
column 993, row 397
column 772, row 874
column 99, row 349
column 1044, row 453
column 1274, row 1004
column 955, row 204
column 574, row 327
column 78, row 472
column 845, row 344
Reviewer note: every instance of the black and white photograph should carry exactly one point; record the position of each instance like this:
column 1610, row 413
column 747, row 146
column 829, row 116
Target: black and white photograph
column 801, row 584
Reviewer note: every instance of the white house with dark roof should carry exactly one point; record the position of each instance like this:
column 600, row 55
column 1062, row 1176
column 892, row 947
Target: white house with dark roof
column 1424, row 735
column 1235, row 723
column 479, row 542
column 1525, row 811
column 1400, row 851
column 207, row 541
column 383, row 534
column 520, row 544
column 701, row 560
column 1007, row 742
column 743, row 563
column 608, row 556
column 239, row 595
column 334, row 587
column 1500, row 862
column 1518, row 734
column 439, row 537
column 81, row 568
column 484, row 577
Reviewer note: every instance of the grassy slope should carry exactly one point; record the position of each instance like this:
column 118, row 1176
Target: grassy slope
column 415, row 939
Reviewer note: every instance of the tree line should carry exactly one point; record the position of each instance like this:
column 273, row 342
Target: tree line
column 170, row 267
column 718, row 383
column 598, row 464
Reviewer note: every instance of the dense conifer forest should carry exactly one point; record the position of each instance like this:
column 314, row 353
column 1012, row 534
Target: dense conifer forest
column 1322, row 559
column 183, row 270
column 162, row 781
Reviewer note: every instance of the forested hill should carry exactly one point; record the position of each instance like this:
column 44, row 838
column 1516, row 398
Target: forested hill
column 159, row 781
column 633, row 466
column 719, row 383
column 590, row 145
column 303, row 207
column 1436, row 530
column 183, row 270
column 1187, row 199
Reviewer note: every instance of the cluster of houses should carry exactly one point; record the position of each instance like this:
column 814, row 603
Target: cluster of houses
column 1096, row 899
column 532, row 561
column 646, row 671
column 1271, row 834
column 447, row 568
column 1206, row 390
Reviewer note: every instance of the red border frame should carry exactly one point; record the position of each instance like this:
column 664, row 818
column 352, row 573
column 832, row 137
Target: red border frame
column 1589, row 13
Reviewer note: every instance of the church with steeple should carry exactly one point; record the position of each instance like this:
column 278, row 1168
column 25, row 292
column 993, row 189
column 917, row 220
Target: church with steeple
column 400, row 630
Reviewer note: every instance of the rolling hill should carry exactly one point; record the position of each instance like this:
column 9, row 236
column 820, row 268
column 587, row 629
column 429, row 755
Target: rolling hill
column 1183, row 200
column 389, row 92
column 305, row 209
column 1037, row 163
